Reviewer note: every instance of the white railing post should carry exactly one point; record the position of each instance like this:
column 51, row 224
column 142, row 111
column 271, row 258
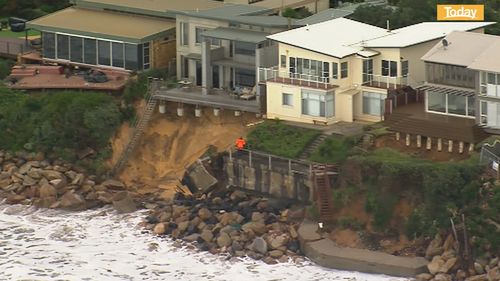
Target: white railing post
column 269, row 164
column 250, row 157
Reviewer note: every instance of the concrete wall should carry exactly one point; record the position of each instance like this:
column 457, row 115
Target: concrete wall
column 276, row 182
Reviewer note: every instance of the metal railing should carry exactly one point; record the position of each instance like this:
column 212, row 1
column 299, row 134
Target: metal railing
column 489, row 158
column 11, row 48
column 274, row 74
column 387, row 82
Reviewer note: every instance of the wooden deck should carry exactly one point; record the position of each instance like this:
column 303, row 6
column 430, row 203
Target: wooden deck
column 412, row 119
column 217, row 99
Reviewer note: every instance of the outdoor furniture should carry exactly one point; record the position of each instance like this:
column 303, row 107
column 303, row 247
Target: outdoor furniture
column 248, row 94
column 185, row 85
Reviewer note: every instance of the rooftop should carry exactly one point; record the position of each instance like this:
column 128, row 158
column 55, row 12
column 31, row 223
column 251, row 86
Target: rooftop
column 468, row 49
column 325, row 15
column 95, row 23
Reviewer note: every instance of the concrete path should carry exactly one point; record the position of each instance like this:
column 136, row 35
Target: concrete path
column 325, row 252
column 339, row 128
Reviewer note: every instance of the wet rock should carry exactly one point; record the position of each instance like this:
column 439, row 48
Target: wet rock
column 165, row 216
column 47, row 190
column 207, row 235
column 236, row 246
column 435, row 247
column 113, row 184
column 191, row 238
column 259, row 245
column 255, row 256
column 258, row 228
column 123, row 202
column 160, row 229
column 424, row 277
column 73, row 201
column 481, row 277
column 277, row 241
column 204, row 214
column 224, row 240
column 276, row 254
column 15, row 199
column 269, row 260
column 182, row 226
column 435, row 265
column 442, row 277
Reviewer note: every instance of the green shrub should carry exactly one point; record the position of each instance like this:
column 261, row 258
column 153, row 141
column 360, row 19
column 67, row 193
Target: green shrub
column 5, row 67
column 349, row 223
column 334, row 150
column 137, row 89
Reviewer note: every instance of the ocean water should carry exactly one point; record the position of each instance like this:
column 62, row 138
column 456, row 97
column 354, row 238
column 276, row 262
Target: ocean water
column 102, row 245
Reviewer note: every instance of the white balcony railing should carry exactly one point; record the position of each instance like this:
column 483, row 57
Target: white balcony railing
column 274, row 74
column 386, row 82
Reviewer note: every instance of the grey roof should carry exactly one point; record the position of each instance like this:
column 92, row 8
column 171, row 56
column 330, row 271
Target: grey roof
column 244, row 14
column 325, row 15
column 470, row 49
column 234, row 34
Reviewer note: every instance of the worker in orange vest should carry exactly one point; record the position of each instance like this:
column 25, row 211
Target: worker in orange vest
column 240, row 144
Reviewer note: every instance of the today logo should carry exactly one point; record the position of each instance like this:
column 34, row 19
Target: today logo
column 460, row 12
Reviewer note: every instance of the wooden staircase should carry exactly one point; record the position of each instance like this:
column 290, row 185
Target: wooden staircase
column 322, row 191
column 138, row 129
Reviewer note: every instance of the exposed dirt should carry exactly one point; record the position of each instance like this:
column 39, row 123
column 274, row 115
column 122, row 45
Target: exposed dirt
column 434, row 155
column 171, row 143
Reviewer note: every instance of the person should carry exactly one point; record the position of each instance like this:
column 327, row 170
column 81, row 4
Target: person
column 240, row 144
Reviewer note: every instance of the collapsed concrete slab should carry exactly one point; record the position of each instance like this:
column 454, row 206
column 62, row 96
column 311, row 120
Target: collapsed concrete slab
column 198, row 179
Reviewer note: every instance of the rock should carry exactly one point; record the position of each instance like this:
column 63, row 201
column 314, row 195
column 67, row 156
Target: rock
column 442, row 277
column 424, row 277
column 277, row 241
column 231, row 218
column 47, row 190
column 293, row 232
column 435, row 247
column 238, row 195
column 493, row 262
column 449, row 243
column 481, row 277
column 435, row 265
column 257, row 217
column 259, row 245
column 276, row 254
column 28, row 181
column 160, row 229
column 104, row 197
column 255, row 256
column 269, row 260
column 182, row 226
column 493, row 274
column 113, row 184
column 59, row 183
column 123, row 203
column 15, row 199
column 46, row 202
column 460, row 275
column 191, row 238
column 73, row 201
column 200, row 179
column 165, row 216
column 178, row 210
column 217, row 201
column 35, row 174
column 478, row 268
column 224, row 240
column 448, row 255
column 207, row 235
column 258, row 228
column 52, row 175
column 204, row 214
column 236, row 246
column 448, row 265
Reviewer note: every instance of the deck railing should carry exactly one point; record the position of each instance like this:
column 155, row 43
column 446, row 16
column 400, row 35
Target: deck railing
column 386, row 82
column 274, row 74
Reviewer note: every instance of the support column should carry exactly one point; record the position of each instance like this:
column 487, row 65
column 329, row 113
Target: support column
column 206, row 68
column 419, row 141
column 440, row 145
column 398, row 136
column 429, row 143
column 450, row 146
column 408, row 139
column 259, row 52
column 461, row 147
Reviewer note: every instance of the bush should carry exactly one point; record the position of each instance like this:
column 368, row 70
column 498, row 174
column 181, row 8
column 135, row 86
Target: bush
column 137, row 89
column 5, row 67
column 334, row 150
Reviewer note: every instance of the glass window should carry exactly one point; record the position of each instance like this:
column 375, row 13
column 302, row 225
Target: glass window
column 292, row 65
column 335, row 70
column 63, row 47
column 146, row 58
column 393, row 69
column 283, row 60
column 385, row 68
column 198, row 32
column 76, row 49
column 184, row 33
column 131, row 55
column 287, row 99
column 344, row 70
column 436, row 101
column 89, row 51
column 373, row 104
column 492, row 78
column 318, row 104
column 49, row 45
column 404, row 68
column 104, row 51
column 244, row 77
column 367, row 70
column 456, row 104
column 117, row 54
column 471, row 106
column 243, row 48
column 326, row 72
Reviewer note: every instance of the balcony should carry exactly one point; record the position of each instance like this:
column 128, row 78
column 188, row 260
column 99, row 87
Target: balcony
column 273, row 74
column 385, row 82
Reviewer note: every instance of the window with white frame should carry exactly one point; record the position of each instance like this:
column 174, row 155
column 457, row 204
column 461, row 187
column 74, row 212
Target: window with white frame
column 490, row 84
column 308, row 69
column 344, row 70
column 318, row 104
column 490, row 114
column 451, row 104
column 198, row 32
column 373, row 103
column 287, row 99
column 404, row 68
column 367, row 70
column 146, row 57
column 335, row 70
column 389, row 68
column 184, row 33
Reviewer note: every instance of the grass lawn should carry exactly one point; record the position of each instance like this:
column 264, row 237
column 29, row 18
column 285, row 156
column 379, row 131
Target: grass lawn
column 10, row 34
column 333, row 150
column 279, row 139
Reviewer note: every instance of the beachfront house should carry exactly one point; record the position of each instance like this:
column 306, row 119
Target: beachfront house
column 342, row 70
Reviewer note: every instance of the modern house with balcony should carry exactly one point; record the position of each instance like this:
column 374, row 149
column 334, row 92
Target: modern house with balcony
column 342, row 70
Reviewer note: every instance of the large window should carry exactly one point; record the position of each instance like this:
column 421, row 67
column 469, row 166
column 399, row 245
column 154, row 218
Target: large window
column 451, row 104
column 335, row 70
column 373, row 103
column 344, row 70
column 49, row 45
column 309, row 69
column 118, row 54
column 244, row 77
column 76, row 49
column 131, row 54
column 184, row 33
column 287, row 99
column 490, row 114
column 451, row 75
column 389, row 68
column 198, row 32
column 243, row 48
column 62, row 47
column 146, row 58
column 367, row 70
column 318, row 104
column 490, row 84
column 404, row 68
column 104, row 51
column 89, row 51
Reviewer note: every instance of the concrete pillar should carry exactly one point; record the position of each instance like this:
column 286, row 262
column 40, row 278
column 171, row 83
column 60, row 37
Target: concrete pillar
column 408, row 139
column 398, row 136
column 429, row 143
column 440, row 144
column 419, row 141
column 461, row 147
column 450, row 146
column 206, row 68
column 471, row 147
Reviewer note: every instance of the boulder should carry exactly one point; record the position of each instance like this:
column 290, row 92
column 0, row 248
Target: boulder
column 435, row 247
column 478, row 268
column 47, row 190
column 423, row 277
column 73, row 201
column 52, row 175
column 493, row 274
column 224, row 240
column 28, row 181
column 182, row 226
column 258, row 228
column 46, row 202
column 15, row 199
column 191, row 238
column 277, row 241
column 113, row 184
column 276, row 254
column 35, row 173
column 59, row 183
column 204, row 214
column 448, row 265
column 435, row 265
column 123, row 202
column 160, row 229
column 231, row 218
column 259, row 245
column 481, row 277
column 269, row 260
column 442, row 277
column 207, row 235
column 257, row 217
